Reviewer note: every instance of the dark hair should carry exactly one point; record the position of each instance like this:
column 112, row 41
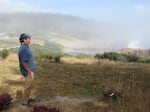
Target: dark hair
column 23, row 36
column 22, row 40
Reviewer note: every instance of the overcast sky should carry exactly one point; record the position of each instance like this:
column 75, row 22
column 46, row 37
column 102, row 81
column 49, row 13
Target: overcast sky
column 132, row 15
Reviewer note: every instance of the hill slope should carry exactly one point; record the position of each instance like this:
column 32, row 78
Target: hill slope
column 79, row 77
column 71, row 33
column 143, row 53
column 42, row 23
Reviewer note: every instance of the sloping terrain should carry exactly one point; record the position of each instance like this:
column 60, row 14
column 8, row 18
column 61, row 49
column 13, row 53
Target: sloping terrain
column 72, row 34
column 143, row 53
column 79, row 77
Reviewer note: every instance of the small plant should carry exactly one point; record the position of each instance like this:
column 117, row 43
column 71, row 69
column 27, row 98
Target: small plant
column 145, row 60
column 5, row 100
column 45, row 109
column 4, row 53
column 98, row 57
column 49, row 57
column 57, row 58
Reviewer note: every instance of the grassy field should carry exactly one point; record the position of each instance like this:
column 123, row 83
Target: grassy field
column 83, row 76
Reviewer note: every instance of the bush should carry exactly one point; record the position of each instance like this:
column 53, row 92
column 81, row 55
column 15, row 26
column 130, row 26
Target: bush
column 4, row 53
column 109, row 55
column 5, row 100
column 98, row 56
column 118, row 57
column 57, row 58
column 132, row 58
column 45, row 109
column 145, row 60
column 51, row 57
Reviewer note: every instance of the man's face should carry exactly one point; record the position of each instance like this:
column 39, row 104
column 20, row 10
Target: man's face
column 27, row 40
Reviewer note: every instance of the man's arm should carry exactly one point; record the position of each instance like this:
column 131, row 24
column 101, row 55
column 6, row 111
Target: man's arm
column 25, row 65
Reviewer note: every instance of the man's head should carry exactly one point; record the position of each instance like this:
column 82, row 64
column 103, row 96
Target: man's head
column 24, row 38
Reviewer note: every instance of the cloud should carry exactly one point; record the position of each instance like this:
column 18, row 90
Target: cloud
column 10, row 6
column 134, row 44
column 141, row 9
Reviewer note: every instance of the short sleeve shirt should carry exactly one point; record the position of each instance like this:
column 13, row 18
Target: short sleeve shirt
column 25, row 55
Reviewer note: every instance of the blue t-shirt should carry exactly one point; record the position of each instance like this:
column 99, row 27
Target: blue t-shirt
column 25, row 55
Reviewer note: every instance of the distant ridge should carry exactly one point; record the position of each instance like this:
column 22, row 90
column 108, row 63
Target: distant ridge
column 40, row 23
column 70, row 33
column 144, row 53
column 74, row 34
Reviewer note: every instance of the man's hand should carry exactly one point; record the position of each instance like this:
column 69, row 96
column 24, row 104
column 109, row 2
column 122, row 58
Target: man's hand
column 32, row 75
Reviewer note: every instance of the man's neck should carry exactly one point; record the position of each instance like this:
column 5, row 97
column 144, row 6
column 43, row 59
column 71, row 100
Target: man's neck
column 25, row 43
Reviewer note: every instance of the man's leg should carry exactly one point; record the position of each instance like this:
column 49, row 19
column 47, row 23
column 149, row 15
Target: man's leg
column 27, row 90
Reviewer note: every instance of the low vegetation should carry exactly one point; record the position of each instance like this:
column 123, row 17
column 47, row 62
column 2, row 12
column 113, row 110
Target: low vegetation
column 121, row 57
column 128, row 81
column 5, row 100
column 124, row 86
column 4, row 53
column 45, row 109
column 52, row 57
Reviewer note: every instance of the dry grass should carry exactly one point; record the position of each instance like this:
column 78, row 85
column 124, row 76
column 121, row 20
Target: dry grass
column 37, row 42
column 85, row 77
column 10, row 78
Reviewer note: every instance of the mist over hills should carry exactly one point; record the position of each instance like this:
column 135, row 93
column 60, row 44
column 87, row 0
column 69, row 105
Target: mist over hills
column 70, row 33
column 48, row 22
column 78, row 34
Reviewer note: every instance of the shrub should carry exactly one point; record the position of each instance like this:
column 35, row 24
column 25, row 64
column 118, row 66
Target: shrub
column 109, row 55
column 57, row 58
column 98, row 56
column 5, row 100
column 45, row 109
column 4, row 53
column 147, row 61
column 118, row 57
column 132, row 58
column 49, row 57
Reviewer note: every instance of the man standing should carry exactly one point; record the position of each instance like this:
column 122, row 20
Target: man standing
column 27, row 66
